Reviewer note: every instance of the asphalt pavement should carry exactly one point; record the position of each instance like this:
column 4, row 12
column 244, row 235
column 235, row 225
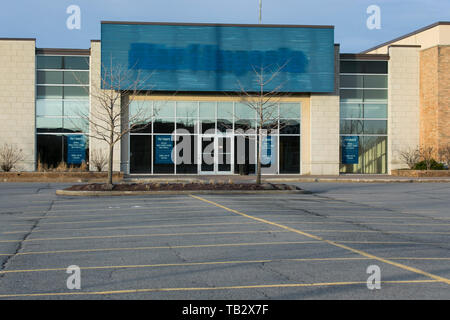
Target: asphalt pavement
column 289, row 246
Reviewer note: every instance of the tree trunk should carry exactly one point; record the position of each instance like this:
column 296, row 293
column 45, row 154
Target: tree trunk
column 258, row 158
column 110, row 166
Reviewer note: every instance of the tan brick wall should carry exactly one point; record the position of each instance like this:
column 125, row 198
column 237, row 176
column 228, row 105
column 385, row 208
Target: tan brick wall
column 444, row 96
column 435, row 97
column 17, row 98
column 429, row 97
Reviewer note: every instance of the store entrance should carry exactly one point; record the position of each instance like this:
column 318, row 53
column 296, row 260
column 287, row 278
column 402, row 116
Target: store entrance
column 215, row 154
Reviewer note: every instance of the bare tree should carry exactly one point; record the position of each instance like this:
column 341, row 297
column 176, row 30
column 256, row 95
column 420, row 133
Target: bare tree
column 444, row 155
column 426, row 154
column 10, row 155
column 99, row 159
column 116, row 105
column 265, row 104
column 410, row 156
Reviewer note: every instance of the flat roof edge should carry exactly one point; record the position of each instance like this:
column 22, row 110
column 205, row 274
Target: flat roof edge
column 58, row 51
column 440, row 23
column 17, row 39
column 218, row 24
column 359, row 56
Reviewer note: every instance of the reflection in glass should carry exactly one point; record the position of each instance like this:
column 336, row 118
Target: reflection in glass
column 187, row 109
column 351, row 126
column 49, row 77
column 375, row 126
column 289, row 154
column 49, row 107
column 140, row 153
column 243, row 111
column 375, row 111
column 76, row 63
column 208, row 110
column 164, row 109
column 76, row 77
column 164, row 125
column 48, row 124
column 49, row 62
column 225, row 110
column 289, row 126
column 351, row 110
column 289, row 110
column 76, row 92
column 45, row 92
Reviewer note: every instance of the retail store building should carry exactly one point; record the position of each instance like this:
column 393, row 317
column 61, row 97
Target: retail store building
column 339, row 113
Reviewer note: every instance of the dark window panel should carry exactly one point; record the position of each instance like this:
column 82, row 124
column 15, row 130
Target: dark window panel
column 375, row 67
column 140, row 153
column 49, row 62
column 76, row 63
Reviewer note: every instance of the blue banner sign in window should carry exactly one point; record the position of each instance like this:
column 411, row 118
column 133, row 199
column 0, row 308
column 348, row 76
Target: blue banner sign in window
column 76, row 149
column 268, row 150
column 163, row 149
column 350, row 149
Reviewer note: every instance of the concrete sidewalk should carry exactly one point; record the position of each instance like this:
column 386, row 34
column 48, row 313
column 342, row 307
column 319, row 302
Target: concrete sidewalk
column 283, row 178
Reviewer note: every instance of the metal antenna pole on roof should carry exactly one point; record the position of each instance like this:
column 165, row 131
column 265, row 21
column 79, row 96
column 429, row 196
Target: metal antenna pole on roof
column 260, row 10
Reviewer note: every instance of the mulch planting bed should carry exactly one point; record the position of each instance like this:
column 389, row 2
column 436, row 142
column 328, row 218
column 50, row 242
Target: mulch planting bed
column 181, row 187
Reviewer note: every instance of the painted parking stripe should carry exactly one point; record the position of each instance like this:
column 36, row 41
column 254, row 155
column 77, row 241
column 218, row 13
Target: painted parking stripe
column 261, row 286
column 333, row 243
column 223, row 223
column 164, row 247
column 145, row 235
column 220, row 263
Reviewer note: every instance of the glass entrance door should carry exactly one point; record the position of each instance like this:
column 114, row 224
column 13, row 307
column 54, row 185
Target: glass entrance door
column 216, row 156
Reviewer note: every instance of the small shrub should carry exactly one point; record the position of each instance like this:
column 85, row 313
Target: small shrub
column 99, row 159
column 10, row 155
column 433, row 165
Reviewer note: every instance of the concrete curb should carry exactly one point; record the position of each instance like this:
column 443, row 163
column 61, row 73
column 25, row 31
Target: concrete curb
column 358, row 180
column 181, row 192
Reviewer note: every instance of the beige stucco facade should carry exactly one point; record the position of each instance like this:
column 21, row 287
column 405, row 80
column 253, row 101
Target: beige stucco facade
column 403, row 103
column 96, row 110
column 17, row 98
column 437, row 34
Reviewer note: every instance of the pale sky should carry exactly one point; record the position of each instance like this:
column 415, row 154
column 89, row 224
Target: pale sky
column 45, row 20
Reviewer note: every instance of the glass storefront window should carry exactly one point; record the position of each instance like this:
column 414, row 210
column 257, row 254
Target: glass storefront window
column 164, row 109
column 243, row 111
column 289, row 126
column 49, row 108
column 187, row 110
column 351, row 110
column 225, row 110
column 49, row 62
column 375, row 111
column 289, row 154
column 76, row 77
column 49, row 92
column 164, row 125
column 49, row 124
column 76, row 63
column 208, row 110
column 49, row 77
column 76, row 92
column 289, row 110
column 140, row 153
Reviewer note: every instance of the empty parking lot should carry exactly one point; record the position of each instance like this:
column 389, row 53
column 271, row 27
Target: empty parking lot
column 297, row 246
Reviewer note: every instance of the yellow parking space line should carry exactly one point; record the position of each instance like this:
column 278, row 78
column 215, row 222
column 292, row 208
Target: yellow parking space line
column 137, row 227
column 145, row 235
column 185, row 264
column 113, row 208
column 118, row 220
column 188, row 264
column 146, row 211
column 164, row 247
column 260, row 286
column 333, row 243
column 376, row 231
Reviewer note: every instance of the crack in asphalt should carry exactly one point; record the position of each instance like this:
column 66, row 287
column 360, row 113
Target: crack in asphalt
column 19, row 246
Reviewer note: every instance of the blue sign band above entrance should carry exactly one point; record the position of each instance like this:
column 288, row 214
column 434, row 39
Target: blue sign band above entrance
column 184, row 57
